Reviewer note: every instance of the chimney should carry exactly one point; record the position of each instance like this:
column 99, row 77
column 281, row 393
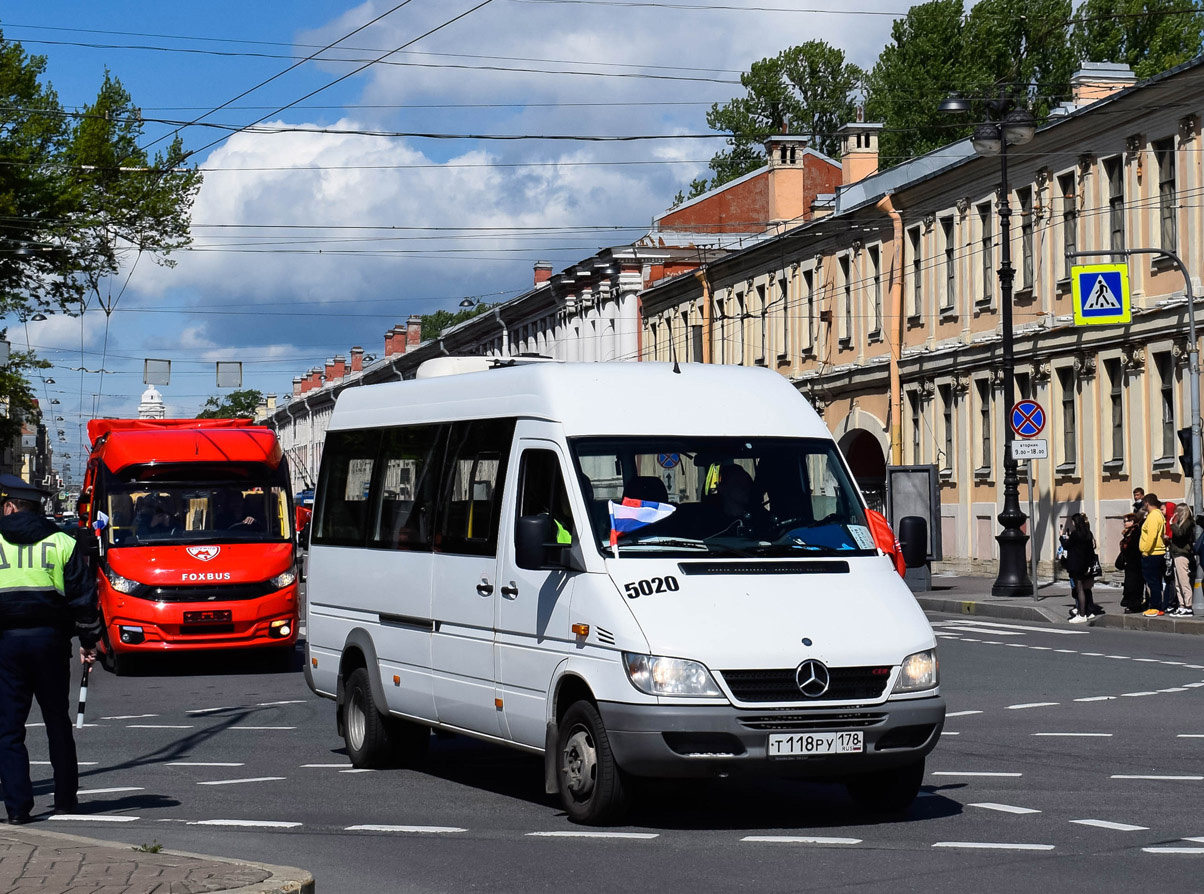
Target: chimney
column 823, row 205
column 315, row 378
column 543, row 272
column 297, row 383
column 357, row 359
column 413, row 331
column 858, row 151
column 785, row 156
column 338, row 369
column 328, row 376
column 1097, row 80
column 271, row 404
column 389, row 343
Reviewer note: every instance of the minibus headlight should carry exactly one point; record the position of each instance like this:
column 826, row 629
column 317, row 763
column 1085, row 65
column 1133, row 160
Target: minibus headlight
column 283, row 579
column 121, row 584
column 669, row 676
column 919, row 671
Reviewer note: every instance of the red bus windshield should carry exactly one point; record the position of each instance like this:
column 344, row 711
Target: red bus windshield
column 242, row 508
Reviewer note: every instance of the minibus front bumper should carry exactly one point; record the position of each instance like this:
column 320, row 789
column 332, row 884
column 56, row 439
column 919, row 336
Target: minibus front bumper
column 716, row 740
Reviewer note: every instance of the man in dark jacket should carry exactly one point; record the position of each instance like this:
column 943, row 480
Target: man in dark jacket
column 47, row 595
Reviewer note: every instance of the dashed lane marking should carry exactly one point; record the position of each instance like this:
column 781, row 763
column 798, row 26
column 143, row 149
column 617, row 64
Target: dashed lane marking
column 638, row 836
column 159, row 726
column 93, row 818
column 358, row 770
column 1162, row 778
column 421, row 830
column 261, row 727
column 995, row 845
column 212, row 710
column 1116, row 827
column 976, row 773
column 1138, row 694
column 1193, row 685
column 291, row 701
column 993, row 627
column 1180, row 736
column 130, row 717
column 206, row 764
column 111, row 791
column 961, row 713
column 1097, row 698
column 49, row 764
column 798, row 839
column 1004, row 808
column 240, row 781
column 1076, row 735
column 248, row 824
column 326, row 766
column 1173, row 850
column 1198, row 840
column 1032, row 705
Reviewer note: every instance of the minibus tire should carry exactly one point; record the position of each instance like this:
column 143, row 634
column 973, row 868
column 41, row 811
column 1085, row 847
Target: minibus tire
column 887, row 791
column 365, row 729
column 593, row 788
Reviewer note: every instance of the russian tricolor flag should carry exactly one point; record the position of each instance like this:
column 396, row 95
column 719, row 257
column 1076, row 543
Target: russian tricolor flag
column 631, row 515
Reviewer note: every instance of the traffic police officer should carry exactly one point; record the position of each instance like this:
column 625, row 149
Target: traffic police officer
column 47, row 594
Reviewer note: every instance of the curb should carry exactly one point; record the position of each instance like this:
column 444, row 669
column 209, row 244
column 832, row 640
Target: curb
column 1041, row 614
column 280, row 880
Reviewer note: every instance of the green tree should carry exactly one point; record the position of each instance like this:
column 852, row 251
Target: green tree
column 235, row 405
column 1016, row 46
column 806, row 89
column 16, row 396
column 1147, row 35
column 78, row 197
column 434, row 323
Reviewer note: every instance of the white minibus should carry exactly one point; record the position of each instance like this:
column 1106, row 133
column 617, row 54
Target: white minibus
column 633, row 569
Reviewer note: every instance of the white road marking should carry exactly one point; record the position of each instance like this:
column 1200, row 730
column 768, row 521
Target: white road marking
column 292, row 701
column 961, row 713
column 946, row 732
column 1005, row 808
column 1067, row 651
column 1180, row 736
column 1160, row 850
column 1041, row 648
column 1116, row 827
column 994, row 626
column 1032, row 705
column 358, row 770
column 212, row 710
column 1174, row 689
column 1167, row 778
column 1198, row 840
column 1093, row 654
column 1097, row 698
column 130, row 717
column 1078, row 735
column 975, row 773
column 799, row 839
column 206, row 764
column 1193, row 685
column 261, row 727
column 109, row 791
column 418, row 829
column 1137, row 694
column 1119, row 657
column 158, row 726
column 643, row 836
column 249, row 824
column 239, row 781
column 995, row 845
column 83, row 817
column 327, row 766
column 1148, row 660
column 992, row 632
column 81, row 763
column 1199, row 667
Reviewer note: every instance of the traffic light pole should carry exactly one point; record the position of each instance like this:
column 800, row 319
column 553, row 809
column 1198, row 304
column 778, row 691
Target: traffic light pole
column 1197, row 491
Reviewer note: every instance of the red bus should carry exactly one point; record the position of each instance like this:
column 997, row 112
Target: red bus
column 194, row 525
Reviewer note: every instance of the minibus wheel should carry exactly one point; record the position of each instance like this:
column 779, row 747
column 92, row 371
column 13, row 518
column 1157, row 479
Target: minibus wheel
column 593, row 788
column 365, row 730
column 887, row 791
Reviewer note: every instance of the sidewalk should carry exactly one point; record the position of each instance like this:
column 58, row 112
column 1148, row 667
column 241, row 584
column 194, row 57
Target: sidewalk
column 52, row 863
column 966, row 595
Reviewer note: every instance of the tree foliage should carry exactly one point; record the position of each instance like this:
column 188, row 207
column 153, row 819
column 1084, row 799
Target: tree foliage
column 16, row 397
column 1147, row 35
column 435, row 323
column 806, row 89
column 235, row 405
column 78, row 197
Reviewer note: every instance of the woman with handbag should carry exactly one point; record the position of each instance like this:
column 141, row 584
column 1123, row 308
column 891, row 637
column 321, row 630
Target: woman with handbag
column 1129, row 561
column 1082, row 564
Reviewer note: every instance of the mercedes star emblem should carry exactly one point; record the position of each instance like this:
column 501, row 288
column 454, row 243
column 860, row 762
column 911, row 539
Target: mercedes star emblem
column 812, row 678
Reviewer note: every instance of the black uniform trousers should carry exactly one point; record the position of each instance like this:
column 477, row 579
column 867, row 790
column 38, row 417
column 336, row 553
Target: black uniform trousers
column 36, row 663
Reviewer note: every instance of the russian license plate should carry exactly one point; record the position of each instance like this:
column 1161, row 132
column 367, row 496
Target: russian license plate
column 206, row 617
column 806, row 744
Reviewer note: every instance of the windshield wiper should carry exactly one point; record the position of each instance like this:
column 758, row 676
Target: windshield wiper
column 813, row 549
column 672, row 542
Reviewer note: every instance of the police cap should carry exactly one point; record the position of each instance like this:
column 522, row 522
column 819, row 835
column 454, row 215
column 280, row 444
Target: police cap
column 14, row 488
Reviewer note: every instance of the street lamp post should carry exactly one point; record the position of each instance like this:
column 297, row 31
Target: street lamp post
column 1006, row 126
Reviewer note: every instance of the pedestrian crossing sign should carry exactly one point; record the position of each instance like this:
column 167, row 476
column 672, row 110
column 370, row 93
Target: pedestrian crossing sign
column 1101, row 294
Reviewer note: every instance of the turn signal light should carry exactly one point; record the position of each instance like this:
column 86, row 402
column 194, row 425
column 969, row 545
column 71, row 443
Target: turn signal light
column 497, row 703
column 314, row 662
column 581, row 629
column 396, row 680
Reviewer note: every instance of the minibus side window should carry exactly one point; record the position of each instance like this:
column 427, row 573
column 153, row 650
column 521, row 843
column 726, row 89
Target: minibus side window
column 403, row 507
column 341, row 507
column 543, row 493
column 470, row 504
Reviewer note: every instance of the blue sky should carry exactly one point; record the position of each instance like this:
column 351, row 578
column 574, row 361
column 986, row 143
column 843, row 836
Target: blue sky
column 255, row 291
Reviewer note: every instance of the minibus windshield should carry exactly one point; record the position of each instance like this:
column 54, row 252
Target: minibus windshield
column 252, row 509
column 699, row 496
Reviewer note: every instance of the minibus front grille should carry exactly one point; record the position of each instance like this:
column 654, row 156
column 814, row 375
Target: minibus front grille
column 792, row 722
column 214, row 593
column 845, row 684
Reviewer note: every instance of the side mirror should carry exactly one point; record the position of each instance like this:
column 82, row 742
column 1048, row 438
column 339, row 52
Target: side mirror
column 913, row 538
column 530, row 535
